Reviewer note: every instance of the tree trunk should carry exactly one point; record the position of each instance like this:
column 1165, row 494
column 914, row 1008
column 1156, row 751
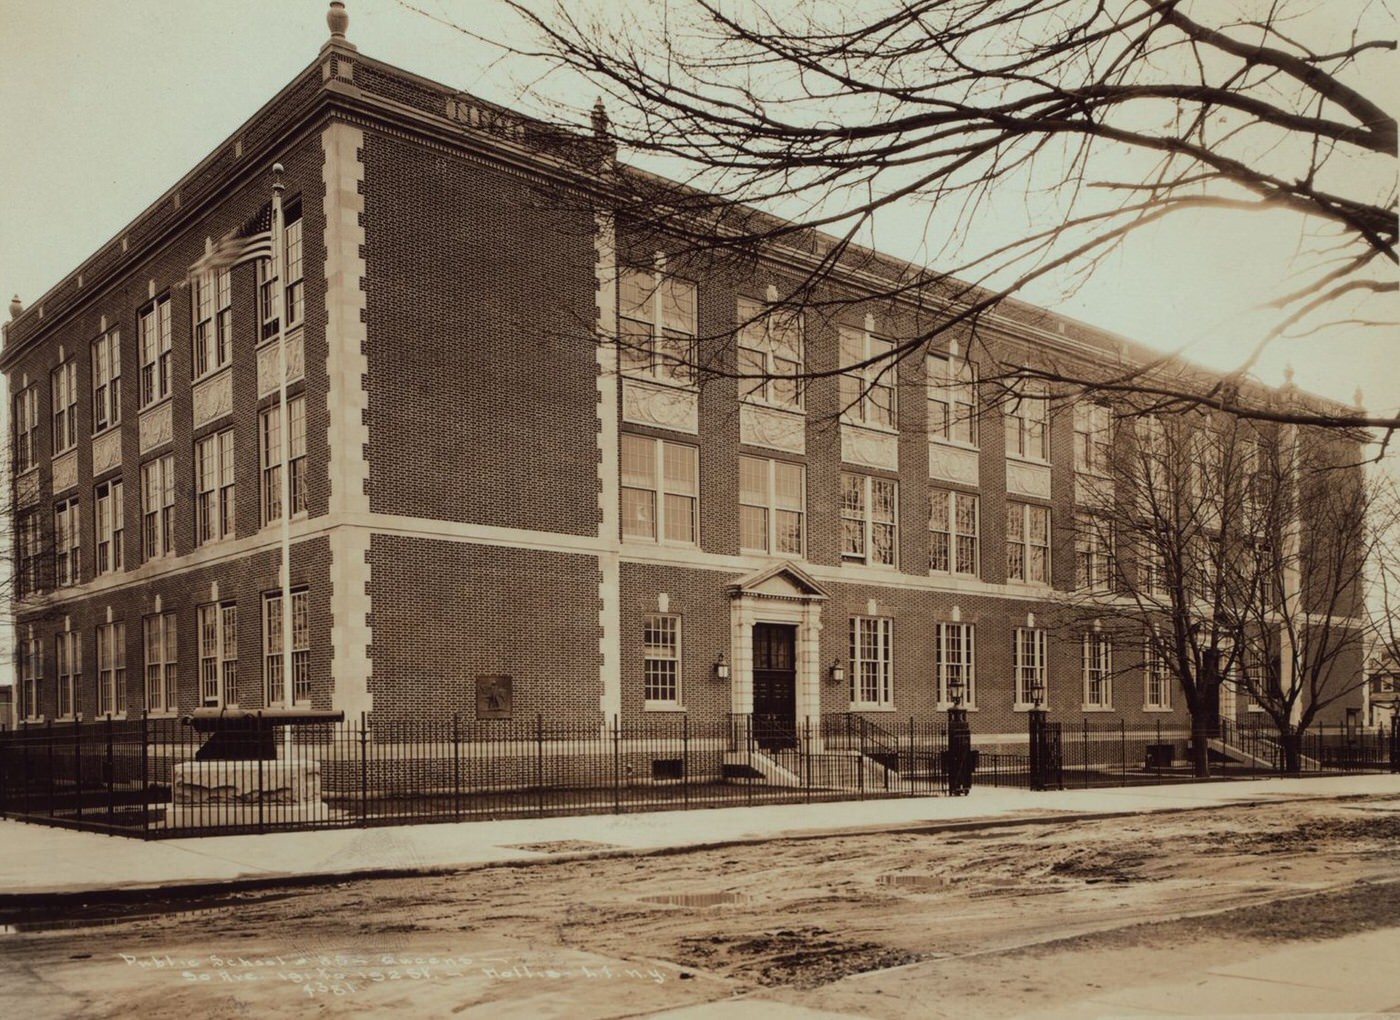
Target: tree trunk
column 1201, row 732
column 1292, row 751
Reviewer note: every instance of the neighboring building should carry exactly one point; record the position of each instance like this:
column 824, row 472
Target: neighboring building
column 1382, row 689
column 481, row 490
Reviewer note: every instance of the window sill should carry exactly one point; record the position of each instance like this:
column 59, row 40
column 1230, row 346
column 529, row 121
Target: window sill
column 163, row 713
column 1157, row 709
column 857, row 707
column 106, row 429
column 270, row 341
column 945, row 706
column 1026, row 706
column 1041, row 585
column 1023, row 459
column 154, row 404
column 226, row 366
column 670, row 384
column 954, row 444
column 796, row 411
column 662, row 706
column 883, row 430
column 1096, row 708
column 66, row 450
column 954, row 575
column 866, row 563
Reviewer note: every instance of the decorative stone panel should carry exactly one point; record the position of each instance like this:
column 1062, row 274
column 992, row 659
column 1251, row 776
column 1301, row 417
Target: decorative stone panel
column 1028, row 479
column 213, row 398
column 267, row 363
column 954, row 464
column 868, row 447
column 65, row 471
column 664, row 406
column 107, row 451
column 1092, row 490
column 156, row 427
column 772, row 426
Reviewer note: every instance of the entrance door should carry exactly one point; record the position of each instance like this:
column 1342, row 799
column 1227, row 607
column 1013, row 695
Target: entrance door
column 775, row 685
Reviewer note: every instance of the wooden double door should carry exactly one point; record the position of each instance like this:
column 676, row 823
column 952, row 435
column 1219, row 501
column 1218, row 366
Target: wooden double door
column 775, row 685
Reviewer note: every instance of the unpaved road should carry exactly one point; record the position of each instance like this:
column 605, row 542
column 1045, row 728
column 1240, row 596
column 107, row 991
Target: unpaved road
column 974, row 923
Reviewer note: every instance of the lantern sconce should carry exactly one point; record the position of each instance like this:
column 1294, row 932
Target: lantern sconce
column 721, row 668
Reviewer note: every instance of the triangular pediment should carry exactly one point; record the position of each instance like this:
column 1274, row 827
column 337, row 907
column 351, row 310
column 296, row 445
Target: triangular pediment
column 781, row 580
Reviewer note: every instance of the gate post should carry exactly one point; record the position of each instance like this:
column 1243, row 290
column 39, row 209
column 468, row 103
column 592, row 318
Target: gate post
column 959, row 744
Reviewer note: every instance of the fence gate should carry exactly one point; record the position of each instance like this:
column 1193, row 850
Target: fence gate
column 1047, row 762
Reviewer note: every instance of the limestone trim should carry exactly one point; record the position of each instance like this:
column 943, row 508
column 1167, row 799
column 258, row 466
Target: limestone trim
column 608, row 543
column 106, row 451
column 156, row 426
column 778, row 428
column 804, row 611
column 869, row 447
column 268, row 355
column 667, row 407
column 213, row 397
column 1026, row 479
column 65, row 471
column 961, row 464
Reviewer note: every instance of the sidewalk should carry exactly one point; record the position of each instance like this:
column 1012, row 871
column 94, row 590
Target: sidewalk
column 36, row 860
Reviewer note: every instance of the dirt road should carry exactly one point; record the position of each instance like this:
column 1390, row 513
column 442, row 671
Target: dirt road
column 987, row 922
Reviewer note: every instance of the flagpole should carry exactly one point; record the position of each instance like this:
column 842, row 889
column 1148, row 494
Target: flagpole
column 285, row 432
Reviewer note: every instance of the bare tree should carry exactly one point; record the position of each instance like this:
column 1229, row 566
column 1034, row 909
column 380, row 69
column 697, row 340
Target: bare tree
column 1098, row 118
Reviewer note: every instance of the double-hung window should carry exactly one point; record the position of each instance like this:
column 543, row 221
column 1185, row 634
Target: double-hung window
column 660, row 490
column 154, row 334
column 869, row 509
column 158, row 507
column 111, row 668
column 270, row 450
column 956, row 662
column 952, row 532
column 26, row 429
column 218, row 653
column 213, row 475
column 1093, row 445
column 1029, row 653
column 107, row 381
column 657, row 314
column 772, row 505
column 213, row 320
column 952, row 400
column 64, row 383
column 273, row 686
column 69, row 661
column 66, row 557
column 770, row 354
column 872, row 662
column 661, row 660
column 1027, row 543
column 31, row 671
column 1098, row 671
column 1156, row 680
column 867, row 389
column 30, row 540
column 1026, row 416
column 110, row 528
column 1093, row 544
column 160, row 647
column 293, row 292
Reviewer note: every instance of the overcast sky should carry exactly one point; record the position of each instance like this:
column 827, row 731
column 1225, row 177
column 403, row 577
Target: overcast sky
column 107, row 103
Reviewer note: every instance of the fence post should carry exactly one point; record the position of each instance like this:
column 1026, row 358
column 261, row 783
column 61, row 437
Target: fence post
column 860, row 761
column 145, row 773
column 807, row 759
column 539, row 762
column 78, row 762
column 260, row 778
column 110, row 767
column 685, row 760
column 617, row 768
column 456, row 767
column 48, row 733
column 1084, row 750
column 1122, row 750
column 364, row 774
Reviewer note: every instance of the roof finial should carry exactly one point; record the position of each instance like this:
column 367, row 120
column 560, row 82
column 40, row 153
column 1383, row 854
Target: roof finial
column 337, row 19
column 600, row 119
column 16, row 306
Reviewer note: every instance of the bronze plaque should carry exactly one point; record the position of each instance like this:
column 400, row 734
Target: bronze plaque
column 493, row 697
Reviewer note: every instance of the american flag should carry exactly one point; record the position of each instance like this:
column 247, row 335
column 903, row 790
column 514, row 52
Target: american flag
column 251, row 241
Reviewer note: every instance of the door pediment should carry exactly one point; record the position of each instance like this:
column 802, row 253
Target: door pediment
column 782, row 581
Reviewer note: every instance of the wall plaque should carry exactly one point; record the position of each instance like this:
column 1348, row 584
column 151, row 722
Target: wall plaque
column 494, row 699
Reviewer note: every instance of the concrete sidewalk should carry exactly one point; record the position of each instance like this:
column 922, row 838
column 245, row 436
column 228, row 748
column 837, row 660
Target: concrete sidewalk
column 36, row 860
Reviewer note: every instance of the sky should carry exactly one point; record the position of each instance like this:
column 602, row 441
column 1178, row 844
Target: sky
column 106, row 103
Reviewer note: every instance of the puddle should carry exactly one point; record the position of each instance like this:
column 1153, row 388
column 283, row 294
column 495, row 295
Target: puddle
column 562, row 846
column 915, row 881
column 68, row 916
column 696, row 899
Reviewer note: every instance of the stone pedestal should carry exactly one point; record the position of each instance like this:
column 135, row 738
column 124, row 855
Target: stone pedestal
column 246, row 782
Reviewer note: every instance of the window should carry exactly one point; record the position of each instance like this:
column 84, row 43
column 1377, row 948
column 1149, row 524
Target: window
column 1093, row 553
column 952, row 526
column 159, row 635
column 271, row 453
column 872, row 653
column 66, row 552
column 661, row 659
column 657, row 336
column 1027, row 543
column 110, row 526
column 26, row 429
column 1098, row 671
column 107, row 381
column 213, row 475
column 1152, row 569
column 1025, row 426
column 955, row 660
column 30, row 541
column 770, row 350
column 772, row 504
column 158, row 507
column 952, row 400
column 1156, row 680
column 272, row 649
column 64, row 382
column 660, row 490
column 1093, row 443
column 212, row 302
column 1260, row 557
column 867, row 392
column 218, row 653
column 31, row 670
column 111, row 669
column 1029, row 654
column 293, row 294
column 154, row 332
column 868, row 513
column 69, row 659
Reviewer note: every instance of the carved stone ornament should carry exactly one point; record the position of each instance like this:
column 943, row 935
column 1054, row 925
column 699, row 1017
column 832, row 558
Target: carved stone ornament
column 213, row 398
column 156, row 427
column 666, row 406
column 873, row 449
column 1028, row 479
column 954, row 464
column 771, row 426
column 267, row 363
column 65, row 471
column 107, row 451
